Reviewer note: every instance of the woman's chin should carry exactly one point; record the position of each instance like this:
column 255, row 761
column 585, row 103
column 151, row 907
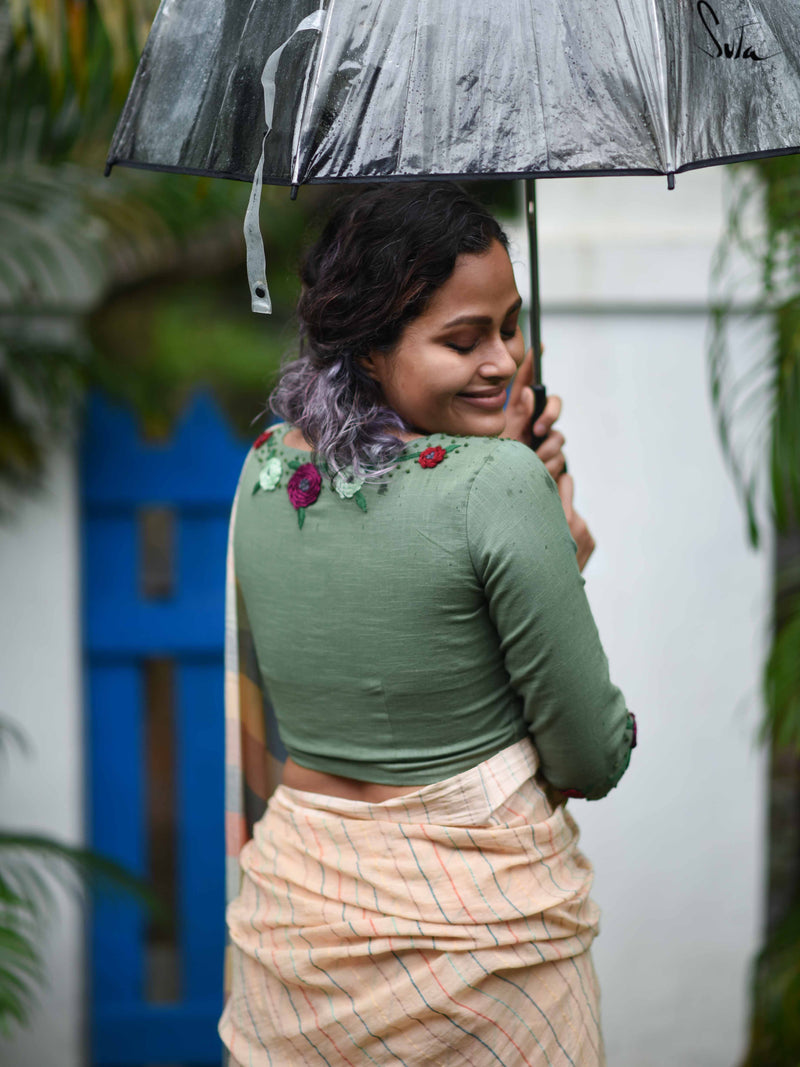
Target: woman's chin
column 485, row 424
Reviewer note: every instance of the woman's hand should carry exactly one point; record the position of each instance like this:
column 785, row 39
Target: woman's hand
column 519, row 415
column 581, row 534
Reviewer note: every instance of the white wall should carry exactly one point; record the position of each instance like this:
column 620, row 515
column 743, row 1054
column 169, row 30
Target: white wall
column 682, row 604
column 40, row 688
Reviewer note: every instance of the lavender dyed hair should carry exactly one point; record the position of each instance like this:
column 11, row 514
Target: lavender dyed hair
column 381, row 257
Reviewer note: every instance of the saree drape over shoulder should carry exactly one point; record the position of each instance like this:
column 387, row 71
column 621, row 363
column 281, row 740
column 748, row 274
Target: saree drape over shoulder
column 451, row 924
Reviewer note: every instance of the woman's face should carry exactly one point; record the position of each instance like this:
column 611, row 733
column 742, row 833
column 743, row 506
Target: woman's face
column 450, row 369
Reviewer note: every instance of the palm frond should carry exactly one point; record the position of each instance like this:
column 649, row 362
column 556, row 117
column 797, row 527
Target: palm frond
column 782, row 681
column 754, row 372
column 31, row 865
column 744, row 365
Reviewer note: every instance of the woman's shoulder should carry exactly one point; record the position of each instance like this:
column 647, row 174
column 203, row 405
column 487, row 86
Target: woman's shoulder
column 483, row 448
column 506, row 459
column 262, row 448
column 510, row 474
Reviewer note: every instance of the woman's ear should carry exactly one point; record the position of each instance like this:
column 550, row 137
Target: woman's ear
column 373, row 364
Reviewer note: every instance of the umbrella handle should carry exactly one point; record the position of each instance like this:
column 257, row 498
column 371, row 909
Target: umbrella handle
column 539, row 403
column 539, row 391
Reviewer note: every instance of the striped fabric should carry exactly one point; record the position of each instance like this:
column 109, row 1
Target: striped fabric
column 450, row 925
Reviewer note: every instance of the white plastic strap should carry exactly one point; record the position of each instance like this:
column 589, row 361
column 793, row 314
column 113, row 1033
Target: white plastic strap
column 256, row 260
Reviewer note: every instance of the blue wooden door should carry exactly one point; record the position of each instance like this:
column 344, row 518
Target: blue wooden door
column 155, row 519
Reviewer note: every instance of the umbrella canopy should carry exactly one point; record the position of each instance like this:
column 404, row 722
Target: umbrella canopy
column 365, row 89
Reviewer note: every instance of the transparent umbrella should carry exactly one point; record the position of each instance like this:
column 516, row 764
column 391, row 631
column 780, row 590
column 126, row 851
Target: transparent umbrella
column 297, row 91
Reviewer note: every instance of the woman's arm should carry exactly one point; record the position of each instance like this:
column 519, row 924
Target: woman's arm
column 525, row 559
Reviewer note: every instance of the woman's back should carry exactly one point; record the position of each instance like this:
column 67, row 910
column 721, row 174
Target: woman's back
column 412, row 640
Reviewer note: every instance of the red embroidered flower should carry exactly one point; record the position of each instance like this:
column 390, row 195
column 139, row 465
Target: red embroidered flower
column 304, row 485
column 432, row 456
column 262, row 438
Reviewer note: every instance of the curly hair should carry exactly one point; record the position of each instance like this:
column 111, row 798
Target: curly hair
column 382, row 255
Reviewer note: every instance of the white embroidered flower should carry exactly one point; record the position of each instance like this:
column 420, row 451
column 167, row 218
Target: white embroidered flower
column 346, row 484
column 270, row 475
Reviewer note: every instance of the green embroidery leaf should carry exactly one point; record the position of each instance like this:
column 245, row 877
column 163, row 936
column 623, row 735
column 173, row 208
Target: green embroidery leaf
column 295, row 463
column 301, row 517
column 359, row 499
column 256, row 487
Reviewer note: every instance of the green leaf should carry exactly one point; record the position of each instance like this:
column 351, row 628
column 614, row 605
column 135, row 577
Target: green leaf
column 358, row 496
column 754, row 373
column 65, row 862
column 301, row 517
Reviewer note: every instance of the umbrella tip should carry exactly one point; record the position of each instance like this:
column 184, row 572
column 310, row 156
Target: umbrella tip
column 671, row 180
column 293, row 192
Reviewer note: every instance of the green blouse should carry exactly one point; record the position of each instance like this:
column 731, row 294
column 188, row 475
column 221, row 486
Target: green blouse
column 407, row 631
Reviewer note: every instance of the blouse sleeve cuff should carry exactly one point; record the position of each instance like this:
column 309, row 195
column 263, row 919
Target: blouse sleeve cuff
column 629, row 744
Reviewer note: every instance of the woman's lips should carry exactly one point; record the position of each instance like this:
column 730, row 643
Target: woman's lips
column 490, row 402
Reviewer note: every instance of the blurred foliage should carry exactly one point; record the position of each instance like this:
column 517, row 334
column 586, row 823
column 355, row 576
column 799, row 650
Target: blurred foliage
column 31, row 867
column 754, row 362
column 75, row 242
column 775, row 1028
column 757, row 392
column 158, row 340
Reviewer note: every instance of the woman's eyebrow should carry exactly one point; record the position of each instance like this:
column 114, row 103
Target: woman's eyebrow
column 481, row 320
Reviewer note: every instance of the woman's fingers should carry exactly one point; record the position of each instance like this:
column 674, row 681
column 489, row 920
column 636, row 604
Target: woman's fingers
column 519, row 414
column 519, row 408
column 566, row 490
column 522, row 378
column 550, row 452
column 552, row 411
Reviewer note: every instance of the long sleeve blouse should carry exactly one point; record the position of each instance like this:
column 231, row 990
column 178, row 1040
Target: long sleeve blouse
column 407, row 631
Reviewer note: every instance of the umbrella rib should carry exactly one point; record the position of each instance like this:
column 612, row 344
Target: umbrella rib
column 408, row 94
column 310, row 95
column 661, row 55
column 541, row 99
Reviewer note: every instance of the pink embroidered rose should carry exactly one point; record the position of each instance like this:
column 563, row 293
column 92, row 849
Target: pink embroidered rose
column 262, row 438
column 304, row 485
column 432, row 456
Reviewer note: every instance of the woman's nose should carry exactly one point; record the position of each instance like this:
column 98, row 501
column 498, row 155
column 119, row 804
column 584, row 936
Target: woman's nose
column 499, row 363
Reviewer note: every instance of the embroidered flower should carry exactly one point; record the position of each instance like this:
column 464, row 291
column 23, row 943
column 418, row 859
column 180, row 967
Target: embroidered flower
column 262, row 439
column 432, row 457
column 270, row 475
column 303, row 488
column 576, row 793
column 346, row 484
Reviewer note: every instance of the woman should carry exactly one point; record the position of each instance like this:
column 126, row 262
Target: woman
column 414, row 893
